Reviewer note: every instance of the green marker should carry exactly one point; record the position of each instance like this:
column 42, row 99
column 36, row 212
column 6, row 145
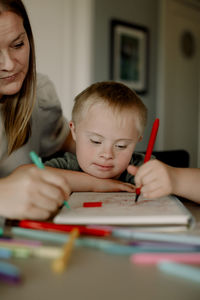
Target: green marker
column 38, row 162
column 2, row 224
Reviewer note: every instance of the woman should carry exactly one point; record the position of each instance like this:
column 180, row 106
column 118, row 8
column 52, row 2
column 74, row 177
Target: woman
column 31, row 119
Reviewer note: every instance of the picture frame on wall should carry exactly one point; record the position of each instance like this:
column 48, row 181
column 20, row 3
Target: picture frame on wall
column 129, row 55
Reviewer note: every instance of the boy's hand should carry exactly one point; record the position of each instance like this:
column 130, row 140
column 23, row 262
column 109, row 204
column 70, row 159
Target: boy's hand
column 154, row 178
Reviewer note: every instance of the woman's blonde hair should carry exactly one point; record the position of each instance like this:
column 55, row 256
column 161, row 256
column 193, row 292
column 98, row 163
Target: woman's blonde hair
column 17, row 109
column 116, row 95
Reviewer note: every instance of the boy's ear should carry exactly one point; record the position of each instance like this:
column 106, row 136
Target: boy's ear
column 73, row 131
column 140, row 138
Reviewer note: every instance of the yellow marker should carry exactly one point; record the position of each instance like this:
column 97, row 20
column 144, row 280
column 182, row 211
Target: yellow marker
column 60, row 264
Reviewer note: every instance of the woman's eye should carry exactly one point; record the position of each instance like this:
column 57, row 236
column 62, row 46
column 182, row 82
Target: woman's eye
column 18, row 45
column 95, row 142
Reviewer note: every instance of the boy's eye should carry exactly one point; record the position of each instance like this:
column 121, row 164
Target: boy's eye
column 121, row 146
column 95, row 142
column 18, row 45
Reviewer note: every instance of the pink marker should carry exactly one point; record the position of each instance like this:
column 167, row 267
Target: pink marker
column 154, row 258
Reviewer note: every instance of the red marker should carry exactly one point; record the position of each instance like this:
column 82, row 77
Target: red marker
column 62, row 227
column 92, row 204
column 149, row 148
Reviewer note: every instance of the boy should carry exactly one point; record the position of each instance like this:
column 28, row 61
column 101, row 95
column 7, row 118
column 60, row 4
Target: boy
column 108, row 120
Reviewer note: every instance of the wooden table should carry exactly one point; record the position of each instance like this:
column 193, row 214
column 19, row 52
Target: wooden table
column 94, row 275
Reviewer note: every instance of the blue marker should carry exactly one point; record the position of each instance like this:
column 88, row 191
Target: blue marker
column 180, row 270
column 38, row 162
column 9, row 269
column 9, row 273
column 5, row 253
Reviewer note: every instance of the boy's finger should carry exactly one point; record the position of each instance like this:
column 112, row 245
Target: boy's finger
column 132, row 169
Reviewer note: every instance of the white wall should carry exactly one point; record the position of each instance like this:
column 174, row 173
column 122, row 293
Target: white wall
column 178, row 83
column 63, row 36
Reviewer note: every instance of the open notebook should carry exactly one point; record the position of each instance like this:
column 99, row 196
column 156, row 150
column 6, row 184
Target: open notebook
column 120, row 209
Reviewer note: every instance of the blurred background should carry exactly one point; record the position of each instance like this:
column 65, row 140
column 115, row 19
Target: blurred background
column 73, row 46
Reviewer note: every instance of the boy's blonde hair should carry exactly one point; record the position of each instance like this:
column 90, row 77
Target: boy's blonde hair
column 116, row 95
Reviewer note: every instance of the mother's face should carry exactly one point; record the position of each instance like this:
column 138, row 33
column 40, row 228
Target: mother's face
column 14, row 53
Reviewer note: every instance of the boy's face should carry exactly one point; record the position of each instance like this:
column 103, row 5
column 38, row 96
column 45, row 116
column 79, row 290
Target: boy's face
column 105, row 141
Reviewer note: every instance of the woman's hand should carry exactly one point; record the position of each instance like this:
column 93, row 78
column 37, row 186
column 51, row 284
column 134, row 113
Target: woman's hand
column 32, row 193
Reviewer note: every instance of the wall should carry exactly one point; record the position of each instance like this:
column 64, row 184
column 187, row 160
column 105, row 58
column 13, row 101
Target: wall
column 63, row 31
column 178, row 92
column 46, row 19
column 72, row 43
column 141, row 12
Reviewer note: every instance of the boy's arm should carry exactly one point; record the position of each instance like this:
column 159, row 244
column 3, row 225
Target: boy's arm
column 82, row 182
column 186, row 183
column 158, row 179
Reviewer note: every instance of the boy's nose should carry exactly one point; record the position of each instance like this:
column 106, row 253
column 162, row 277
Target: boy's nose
column 107, row 153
